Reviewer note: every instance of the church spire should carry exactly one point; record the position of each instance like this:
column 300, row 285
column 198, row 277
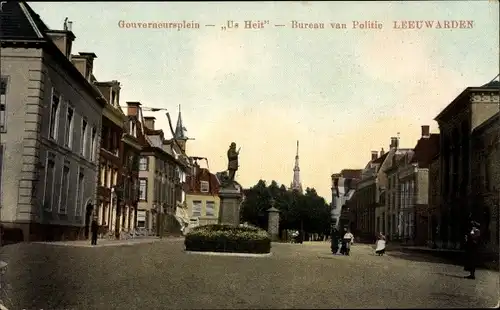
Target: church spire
column 180, row 130
column 296, row 185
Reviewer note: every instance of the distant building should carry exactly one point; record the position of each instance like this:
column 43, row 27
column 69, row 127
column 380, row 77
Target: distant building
column 202, row 197
column 473, row 107
column 343, row 189
column 296, row 183
column 407, row 198
column 50, row 123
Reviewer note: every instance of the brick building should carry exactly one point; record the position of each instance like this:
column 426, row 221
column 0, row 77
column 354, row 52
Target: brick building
column 456, row 122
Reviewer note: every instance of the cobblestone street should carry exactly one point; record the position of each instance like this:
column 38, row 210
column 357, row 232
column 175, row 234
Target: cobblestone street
column 159, row 275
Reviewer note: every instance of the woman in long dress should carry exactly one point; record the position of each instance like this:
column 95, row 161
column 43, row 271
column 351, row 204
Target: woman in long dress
column 380, row 245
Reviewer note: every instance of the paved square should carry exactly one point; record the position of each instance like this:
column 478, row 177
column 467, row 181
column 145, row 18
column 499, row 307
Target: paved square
column 161, row 276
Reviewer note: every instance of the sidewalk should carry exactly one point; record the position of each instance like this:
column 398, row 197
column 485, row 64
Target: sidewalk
column 108, row 243
column 492, row 263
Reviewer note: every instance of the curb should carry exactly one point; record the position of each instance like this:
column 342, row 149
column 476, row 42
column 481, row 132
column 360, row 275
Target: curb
column 228, row 254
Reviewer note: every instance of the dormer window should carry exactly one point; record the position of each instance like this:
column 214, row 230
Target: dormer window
column 113, row 98
column 132, row 128
column 204, row 186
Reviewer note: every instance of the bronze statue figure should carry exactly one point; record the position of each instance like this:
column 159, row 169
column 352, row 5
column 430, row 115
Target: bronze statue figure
column 232, row 157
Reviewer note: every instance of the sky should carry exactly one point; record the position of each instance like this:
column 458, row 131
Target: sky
column 341, row 92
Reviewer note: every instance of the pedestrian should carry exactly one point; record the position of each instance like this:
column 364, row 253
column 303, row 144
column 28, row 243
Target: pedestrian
column 380, row 244
column 335, row 241
column 347, row 241
column 472, row 249
column 94, row 231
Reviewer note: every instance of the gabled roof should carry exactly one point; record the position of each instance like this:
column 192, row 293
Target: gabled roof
column 380, row 159
column 19, row 22
column 425, row 150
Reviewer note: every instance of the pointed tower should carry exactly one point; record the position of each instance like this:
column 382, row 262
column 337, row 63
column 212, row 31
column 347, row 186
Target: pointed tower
column 296, row 185
column 180, row 132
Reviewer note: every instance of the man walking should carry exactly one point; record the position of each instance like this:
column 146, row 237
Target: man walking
column 94, row 230
column 472, row 249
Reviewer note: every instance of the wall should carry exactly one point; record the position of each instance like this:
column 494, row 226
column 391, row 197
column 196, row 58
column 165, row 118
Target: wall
column 30, row 86
column 23, row 69
column 203, row 220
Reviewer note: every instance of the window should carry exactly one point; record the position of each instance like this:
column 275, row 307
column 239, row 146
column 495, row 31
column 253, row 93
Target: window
column 68, row 135
column 83, row 146
column 113, row 98
column 1, row 169
column 49, row 182
column 143, row 163
column 196, row 208
column 132, row 128
column 3, row 103
column 204, row 186
column 93, row 143
column 143, row 189
column 80, row 192
column 54, row 114
column 63, row 205
column 210, row 208
column 141, row 219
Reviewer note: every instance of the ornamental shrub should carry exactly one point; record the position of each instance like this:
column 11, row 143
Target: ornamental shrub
column 227, row 238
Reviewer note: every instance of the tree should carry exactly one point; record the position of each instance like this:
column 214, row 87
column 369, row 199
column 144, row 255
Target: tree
column 297, row 211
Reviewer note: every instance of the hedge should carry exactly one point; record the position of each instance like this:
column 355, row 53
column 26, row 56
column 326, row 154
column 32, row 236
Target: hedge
column 227, row 238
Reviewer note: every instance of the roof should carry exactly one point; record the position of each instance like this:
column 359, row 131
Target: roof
column 426, row 150
column 192, row 185
column 491, row 86
column 19, row 22
column 380, row 159
column 351, row 173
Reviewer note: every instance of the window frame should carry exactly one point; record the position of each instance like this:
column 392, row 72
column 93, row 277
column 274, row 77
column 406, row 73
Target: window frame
column 207, row 186
column 80, row 192
column 54, row 124
column 145, row 191
column 196, row 202
column 83, row 137
column 51, row 157
column 93, row 143
column 147, row 163
column 212, row 203
column 68, row 135
column 6, row 79
column 66, row 164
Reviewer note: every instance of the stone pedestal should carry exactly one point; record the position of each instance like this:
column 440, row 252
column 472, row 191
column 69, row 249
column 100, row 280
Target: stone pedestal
column 230, row 201
column 273, row 223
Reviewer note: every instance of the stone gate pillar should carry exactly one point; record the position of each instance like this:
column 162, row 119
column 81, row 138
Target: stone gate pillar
column 273, row 223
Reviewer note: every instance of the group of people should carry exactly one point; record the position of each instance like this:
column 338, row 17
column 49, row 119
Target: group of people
column 341, row 242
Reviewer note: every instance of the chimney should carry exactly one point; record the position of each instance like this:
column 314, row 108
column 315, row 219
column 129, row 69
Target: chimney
column 374, row 155
column 394, row 142
column 382, row 152
column 426, row 131
column 63, row 39
column 149, row 122
column 133, row 108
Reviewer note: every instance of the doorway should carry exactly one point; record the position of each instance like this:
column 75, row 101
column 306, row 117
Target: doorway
column 88, row 215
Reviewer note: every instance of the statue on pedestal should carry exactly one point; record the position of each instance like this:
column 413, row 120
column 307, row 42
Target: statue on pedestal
column 232, row 157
